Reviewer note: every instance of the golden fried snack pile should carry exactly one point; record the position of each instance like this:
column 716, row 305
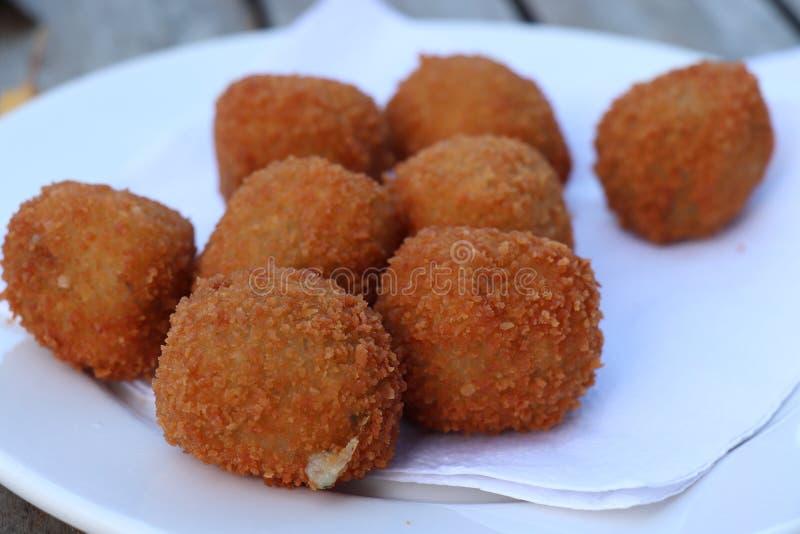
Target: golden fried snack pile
column 274, row 364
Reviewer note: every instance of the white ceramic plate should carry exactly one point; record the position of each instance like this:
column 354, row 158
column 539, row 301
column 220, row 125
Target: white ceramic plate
column 85, row 452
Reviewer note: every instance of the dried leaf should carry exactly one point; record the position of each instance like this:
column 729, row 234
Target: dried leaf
column 16, row 97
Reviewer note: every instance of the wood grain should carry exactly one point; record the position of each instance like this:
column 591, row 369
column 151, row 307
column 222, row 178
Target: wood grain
column 790, row 11
column 730, row 28
column 18, row 517
column 83, row 35
column 16, row 42
column 462, row 9
column 282, row 12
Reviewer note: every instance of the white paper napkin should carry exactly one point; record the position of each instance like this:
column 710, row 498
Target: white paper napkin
column 701, row 337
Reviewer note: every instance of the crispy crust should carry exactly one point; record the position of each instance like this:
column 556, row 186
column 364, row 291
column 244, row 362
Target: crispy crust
column 482, row 181
column 261, row 119
column 95, row 273
column 473, row 95
column 306, row 212
column 257, row 381
column 487, row 353
column 679, row 156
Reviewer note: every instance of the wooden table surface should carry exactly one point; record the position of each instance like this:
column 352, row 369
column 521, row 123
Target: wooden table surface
column 46, row 42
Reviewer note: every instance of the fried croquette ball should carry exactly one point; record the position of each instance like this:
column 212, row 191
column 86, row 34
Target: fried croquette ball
column 473, row 95
column 482, row 181
column 261, row 119
column 94, row 274
column 495, row 330
column 679, row 156
column 307, row 212
column 280, row 375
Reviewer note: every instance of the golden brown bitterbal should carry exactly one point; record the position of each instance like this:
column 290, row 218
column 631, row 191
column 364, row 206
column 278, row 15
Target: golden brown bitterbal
column 307, row 212
column 261, row 119
column 495, row 330
column 679, row 156
column 483, row 182
column 473, row 95
column 280, row 375
column 94, row 274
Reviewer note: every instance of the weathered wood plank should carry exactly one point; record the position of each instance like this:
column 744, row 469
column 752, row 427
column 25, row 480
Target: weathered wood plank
column 18, row 517
column 83, row 35
column 731, row 28
column 282, row 12
column 790, row 11
column 16, row 42
column 747, row 27
column 457, row 9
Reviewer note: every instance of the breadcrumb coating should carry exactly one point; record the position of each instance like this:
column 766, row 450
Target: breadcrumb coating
column 308, row 213
column 680, row 155
column 495, row 330
column 483, row 182
column 261, row 119
column 94, row 274
column 473, row 95
column 296, row 384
